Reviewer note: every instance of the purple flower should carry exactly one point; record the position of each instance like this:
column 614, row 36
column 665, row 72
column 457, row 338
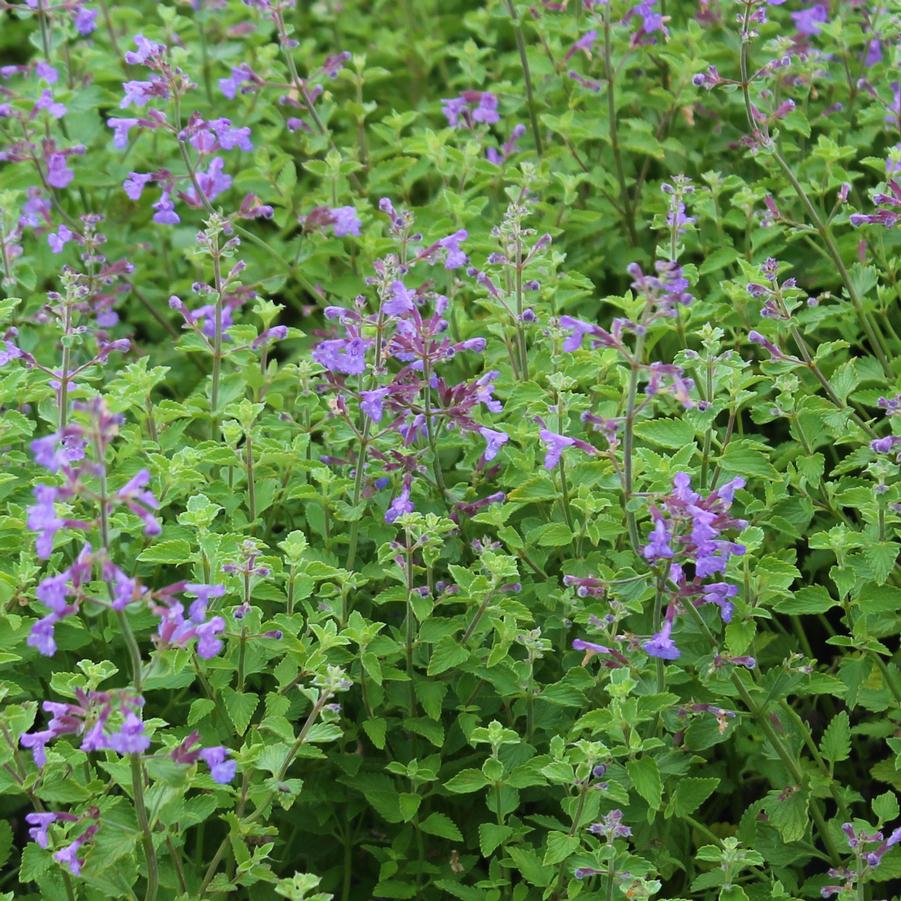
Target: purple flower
column 470, row 107
column 240, row 75
column 580, row 644
column 120, row 128
column 40, row 823
column 164, row 210
column 221, row 769
column 84, row 19
column 372, row 403
column 719, row 593
column 130, row 739
column 658, row 546
column 58, row 173
column 810, row 21
column 41, row 637
column 346, row 355
column 401, row 302
column 68, row 857
column 42, row 519
column 494, row 441
column 885, row 445
column 60, row 239
column 400, row 505
column 455, row 257
column 46, row 102
column 140, row 501
column 146, row 49
column 556, row 444
column 661, row 645
column 345, row 221
column 135, row 183
column 208, row 643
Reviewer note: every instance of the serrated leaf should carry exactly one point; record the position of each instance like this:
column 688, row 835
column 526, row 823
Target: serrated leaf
column 170, row 553
column 787, row 812
column 646, row 781
column 6, row 841
column 447, row 654
column 560, row 845
column 441, row 825
column 810, row 599
column 881, row 555
column 466, row 781
column 492, row 836
column 691, row 793
column 835, row 744
column 376, row 729
column 240, row 707
column 670, row 433
column 879, row 599
column 885, row 806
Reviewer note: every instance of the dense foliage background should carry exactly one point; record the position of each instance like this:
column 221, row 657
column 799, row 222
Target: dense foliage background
column 449, row 449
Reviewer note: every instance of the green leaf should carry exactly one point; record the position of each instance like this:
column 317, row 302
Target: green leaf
column 554, row 534
column 745, row 459
column 200, row 707
column 441, row 825
column 240, row 707
column 409, row 805
column 787, row 812
column 560, row 845
column 691, row 793
column 881, row 555
column 835, row 744
column 447, row 654
column 6, row 841
column 719, row 259
column 172, row 552
column 376, row 729
column 879, row 599
column 885, row 806
column 528, row 864
column 491, row 836
column 645, row 778
column 810, row 599
column 35, row 862
column 466, row 781
column 670, row 433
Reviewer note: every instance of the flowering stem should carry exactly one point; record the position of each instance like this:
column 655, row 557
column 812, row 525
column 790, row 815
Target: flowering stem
column 629, row 439
column 251, row 490
column 875, row 339
column 657, row 616
column 137, row 785
column 410, row 622
column 527, row 75
column 628, row 211
column 217, row 339
column 63, row 411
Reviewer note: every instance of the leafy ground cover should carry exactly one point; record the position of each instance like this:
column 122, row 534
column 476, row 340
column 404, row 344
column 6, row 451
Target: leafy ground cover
column 450, row 449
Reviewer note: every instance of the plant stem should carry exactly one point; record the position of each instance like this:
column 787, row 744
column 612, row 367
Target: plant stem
column 137, row 785
column 629, row 439
column 626, row 202
column 527, row 76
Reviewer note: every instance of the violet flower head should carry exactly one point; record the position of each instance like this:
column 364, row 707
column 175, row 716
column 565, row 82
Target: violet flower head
column 661, row 645
column 810, row 21
column 555, row 444
column 658, row 546
column 221, row 768
column 494, row 441
column 130, row 738
column 469, row 108
column 400, row 505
